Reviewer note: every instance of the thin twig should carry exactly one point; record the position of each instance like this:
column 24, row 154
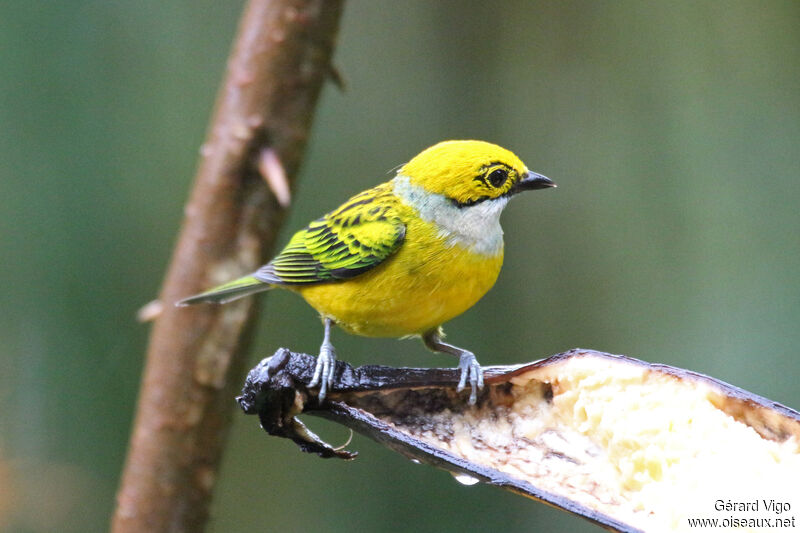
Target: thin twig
column 280, row 60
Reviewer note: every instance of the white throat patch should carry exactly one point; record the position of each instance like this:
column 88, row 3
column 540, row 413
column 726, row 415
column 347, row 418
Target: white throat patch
column 476, row 227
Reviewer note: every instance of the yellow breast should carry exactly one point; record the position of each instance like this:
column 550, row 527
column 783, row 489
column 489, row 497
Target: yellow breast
column 430, row 280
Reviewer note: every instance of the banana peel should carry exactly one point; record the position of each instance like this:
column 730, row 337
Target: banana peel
column 626, row 444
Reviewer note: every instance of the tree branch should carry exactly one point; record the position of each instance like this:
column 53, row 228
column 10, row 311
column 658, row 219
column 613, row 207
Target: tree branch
column 276, row 70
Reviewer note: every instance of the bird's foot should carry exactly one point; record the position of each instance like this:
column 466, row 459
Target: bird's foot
column 323, row 372
column 470, row 370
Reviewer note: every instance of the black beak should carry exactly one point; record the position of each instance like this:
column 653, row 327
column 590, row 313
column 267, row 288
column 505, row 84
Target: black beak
column 532, row 181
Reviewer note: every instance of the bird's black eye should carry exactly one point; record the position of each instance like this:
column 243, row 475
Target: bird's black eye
column 497, row 178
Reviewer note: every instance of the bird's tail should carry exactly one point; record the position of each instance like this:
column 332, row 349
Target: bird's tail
column 227, row 292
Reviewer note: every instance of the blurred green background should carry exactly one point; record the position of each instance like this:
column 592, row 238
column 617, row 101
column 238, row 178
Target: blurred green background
column 672, row 129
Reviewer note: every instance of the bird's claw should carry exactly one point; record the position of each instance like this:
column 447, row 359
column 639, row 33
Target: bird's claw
column 470, row 369
column 324, row 370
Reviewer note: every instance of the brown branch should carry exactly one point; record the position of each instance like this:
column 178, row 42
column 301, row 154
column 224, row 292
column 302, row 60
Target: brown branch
column 278, row 65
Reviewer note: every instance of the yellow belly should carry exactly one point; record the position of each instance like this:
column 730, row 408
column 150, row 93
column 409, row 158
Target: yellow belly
column 425, row 284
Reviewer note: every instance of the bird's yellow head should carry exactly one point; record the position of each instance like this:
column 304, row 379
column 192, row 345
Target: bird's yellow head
column 469, row 172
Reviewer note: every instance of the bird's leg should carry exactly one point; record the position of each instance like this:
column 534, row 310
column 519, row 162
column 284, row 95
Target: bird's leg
column 470, row 369
column 326, row 363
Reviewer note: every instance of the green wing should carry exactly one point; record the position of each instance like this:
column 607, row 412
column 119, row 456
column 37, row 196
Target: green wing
column 359, row 235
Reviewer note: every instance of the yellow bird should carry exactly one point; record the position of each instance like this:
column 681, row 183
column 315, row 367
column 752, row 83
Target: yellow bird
column 404, row 257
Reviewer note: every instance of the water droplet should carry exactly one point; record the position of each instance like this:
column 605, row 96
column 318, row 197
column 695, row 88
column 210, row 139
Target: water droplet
column 464, row 479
